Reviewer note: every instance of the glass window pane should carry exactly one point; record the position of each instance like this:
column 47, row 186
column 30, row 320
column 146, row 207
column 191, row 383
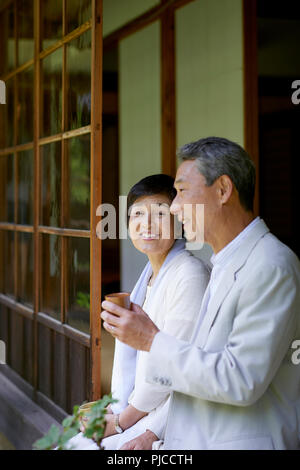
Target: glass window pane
column 51, row 79
column 50, row 275
column 7, row 117
column 79, row 81
column 7, row 243
column 7, row 40
column 50, row 158
column 51, row 21
column 78, row 300
column 78, row 191
column 25, row 187
column 7, row 188
column 25, row 268
column 25, row 106
column 78, row 12
column 25, row 30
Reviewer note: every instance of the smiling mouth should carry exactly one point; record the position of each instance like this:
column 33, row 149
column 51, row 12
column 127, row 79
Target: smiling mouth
column 151, row 236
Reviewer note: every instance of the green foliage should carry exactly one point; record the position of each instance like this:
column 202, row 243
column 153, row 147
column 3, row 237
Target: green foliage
column 83, row 300
column 94, row 428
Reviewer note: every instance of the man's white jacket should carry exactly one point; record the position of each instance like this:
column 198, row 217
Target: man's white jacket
column 237, row 384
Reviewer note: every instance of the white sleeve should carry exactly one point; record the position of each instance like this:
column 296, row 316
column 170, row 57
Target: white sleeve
column 261, row 335
column 182, row 307
column 157, row 421
column 123, row 375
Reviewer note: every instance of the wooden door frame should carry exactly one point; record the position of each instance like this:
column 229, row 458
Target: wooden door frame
column 96, row 199
column 165, row 13
column 251, row 88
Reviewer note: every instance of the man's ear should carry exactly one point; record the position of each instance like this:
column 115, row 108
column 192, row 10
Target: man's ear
column 225, row 188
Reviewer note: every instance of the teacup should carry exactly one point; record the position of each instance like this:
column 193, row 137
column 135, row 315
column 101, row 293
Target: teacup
column 119, row 298
column 84, row 410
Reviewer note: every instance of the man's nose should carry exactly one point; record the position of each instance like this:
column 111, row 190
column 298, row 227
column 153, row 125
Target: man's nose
column 175, row 207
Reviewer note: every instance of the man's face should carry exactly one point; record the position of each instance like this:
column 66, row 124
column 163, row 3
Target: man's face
column 192, row 190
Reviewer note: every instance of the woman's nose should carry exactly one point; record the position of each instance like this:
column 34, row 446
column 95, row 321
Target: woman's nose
column 146, row 222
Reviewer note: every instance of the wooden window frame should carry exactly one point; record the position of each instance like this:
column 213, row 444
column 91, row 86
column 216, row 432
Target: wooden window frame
column 91, row 341
column 165, row 13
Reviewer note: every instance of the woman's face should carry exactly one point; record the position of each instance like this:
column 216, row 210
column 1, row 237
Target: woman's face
column 151, row 225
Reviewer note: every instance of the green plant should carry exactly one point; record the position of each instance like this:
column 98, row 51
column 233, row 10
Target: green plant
column 94, row 427
column 83, row 299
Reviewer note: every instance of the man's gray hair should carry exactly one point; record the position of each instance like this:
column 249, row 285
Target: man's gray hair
column 218, row 156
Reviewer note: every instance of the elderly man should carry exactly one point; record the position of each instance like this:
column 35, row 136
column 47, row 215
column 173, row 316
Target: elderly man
column 235, row 386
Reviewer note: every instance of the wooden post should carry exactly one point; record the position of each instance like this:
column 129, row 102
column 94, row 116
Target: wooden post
column 168, row 103
column 251, row 89
column 36, row 149
column 96, row 199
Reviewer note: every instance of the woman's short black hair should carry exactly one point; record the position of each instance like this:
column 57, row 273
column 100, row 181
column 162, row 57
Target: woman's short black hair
column 149, row 186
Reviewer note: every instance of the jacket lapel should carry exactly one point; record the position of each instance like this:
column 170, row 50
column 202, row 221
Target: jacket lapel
column 227, row 281
column 214, row 305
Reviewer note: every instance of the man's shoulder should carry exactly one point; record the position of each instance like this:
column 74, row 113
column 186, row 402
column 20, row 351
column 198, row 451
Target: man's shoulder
column 271, row 252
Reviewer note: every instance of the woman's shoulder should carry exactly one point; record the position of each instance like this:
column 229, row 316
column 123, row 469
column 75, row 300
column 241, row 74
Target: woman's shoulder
column 187, row 264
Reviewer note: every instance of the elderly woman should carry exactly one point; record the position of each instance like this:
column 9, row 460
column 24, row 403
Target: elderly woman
column 170, row 289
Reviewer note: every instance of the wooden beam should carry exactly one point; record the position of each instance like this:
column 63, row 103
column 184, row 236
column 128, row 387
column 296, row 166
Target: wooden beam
column 42, row 54
column 16, row 227
column 67, row 232
column 168, row 94
column 17, row 70
column 67, row 38
column 12, row 304
column 111, row 40
column 96, row 198
column 44, row 319
column 251, row 88
column 16, row 148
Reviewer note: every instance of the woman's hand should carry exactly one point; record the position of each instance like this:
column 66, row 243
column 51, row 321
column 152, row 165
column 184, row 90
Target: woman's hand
column 109, row 410
column 133, row 327
column 142, row 442
column 110, row 425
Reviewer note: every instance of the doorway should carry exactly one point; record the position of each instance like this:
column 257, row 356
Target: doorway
column 278, row 29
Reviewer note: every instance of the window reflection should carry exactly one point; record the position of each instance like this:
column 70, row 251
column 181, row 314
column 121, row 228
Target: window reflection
column 50, row 158
column 7, row 186
column 25, row 106
column 78, row 12
column 78, row 191
column 25, row 30
column 51, row 79
column 25, row 268
column 7, row 250
column 79, row 78
column 50, row 275
column 7, row 40
column 7, row 116
column 78, row 300
column 51, row 21
column 25, row 187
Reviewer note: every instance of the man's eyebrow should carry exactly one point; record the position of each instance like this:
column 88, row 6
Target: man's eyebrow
column 180, row 180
